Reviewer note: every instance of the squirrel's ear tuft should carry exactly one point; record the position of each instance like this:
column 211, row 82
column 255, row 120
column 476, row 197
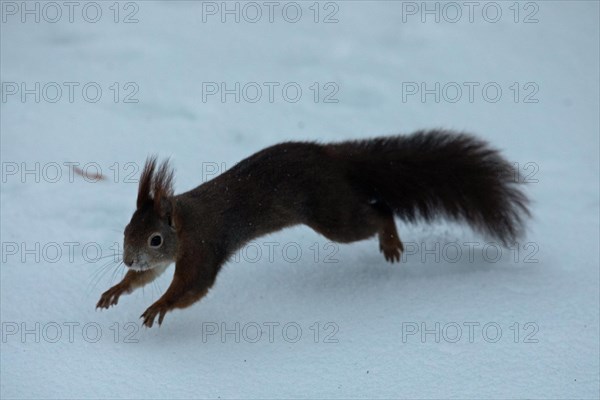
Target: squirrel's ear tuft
column 156, row 184
column 162, row 186
column 146, row 178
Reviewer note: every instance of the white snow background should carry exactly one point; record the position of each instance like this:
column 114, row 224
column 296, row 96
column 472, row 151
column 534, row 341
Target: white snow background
column 520, row 325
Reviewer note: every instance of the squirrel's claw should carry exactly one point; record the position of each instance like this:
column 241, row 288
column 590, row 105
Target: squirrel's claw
column 110, row 297
column 392, row 251
column 150, row 314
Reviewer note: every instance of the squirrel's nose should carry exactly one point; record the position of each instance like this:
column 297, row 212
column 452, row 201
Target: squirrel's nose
column 128, row 262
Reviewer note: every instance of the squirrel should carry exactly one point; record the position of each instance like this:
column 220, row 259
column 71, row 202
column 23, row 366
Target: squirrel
column 346, row 191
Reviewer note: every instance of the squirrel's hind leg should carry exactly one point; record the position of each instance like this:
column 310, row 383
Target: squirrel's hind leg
column 358, row 221
column 389, row 240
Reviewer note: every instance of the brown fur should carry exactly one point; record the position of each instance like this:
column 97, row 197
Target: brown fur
column 346, row 191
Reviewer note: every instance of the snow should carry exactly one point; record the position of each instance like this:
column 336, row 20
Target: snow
column 544, row 297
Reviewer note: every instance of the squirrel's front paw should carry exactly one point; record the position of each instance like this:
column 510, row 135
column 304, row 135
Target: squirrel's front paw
column 155, row 309
column 110, row 297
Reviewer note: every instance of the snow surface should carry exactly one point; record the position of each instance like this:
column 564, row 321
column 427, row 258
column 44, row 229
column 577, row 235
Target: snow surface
column 365, row 308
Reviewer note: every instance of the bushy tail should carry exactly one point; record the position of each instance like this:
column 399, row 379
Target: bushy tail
column 441, row 173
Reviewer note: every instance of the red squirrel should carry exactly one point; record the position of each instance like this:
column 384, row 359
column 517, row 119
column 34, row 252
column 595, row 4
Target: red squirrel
column 346, row 191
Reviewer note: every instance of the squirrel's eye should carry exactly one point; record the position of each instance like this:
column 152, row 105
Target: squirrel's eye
column 155, row 240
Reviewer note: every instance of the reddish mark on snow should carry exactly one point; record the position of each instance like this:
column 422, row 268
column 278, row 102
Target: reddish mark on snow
column 89, row 176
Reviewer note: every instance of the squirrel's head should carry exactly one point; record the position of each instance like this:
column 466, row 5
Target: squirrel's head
column 150, row 236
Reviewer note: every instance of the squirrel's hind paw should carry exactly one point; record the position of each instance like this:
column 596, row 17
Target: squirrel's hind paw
column 391, row 248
